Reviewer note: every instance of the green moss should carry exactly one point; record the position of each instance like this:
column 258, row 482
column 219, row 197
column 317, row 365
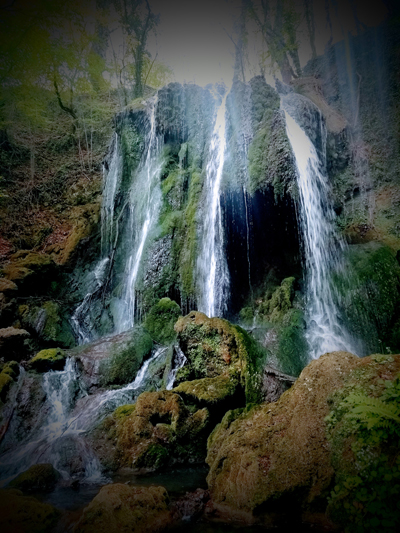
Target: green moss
column 124, row 410
column 123, row 365
column 369, row 289
column 50, row 359
column 39, row 477
column 154, row 457
column 11, row 368
column 207, row 391
column 5, row 383
column 364, row 417
column 161, row 319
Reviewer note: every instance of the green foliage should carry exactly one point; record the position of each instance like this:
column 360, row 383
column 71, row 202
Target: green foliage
column 123, row 365
column 366, row 494
column 161, row 319
column 369, row 291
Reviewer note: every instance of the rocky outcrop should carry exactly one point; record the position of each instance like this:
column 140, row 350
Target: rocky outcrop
column 161, row 319
column 12, row 343
column 267, row 457
column 214, row 347
column 8, row 375
column 156, row 431
column 31, row 271
column 120, row 507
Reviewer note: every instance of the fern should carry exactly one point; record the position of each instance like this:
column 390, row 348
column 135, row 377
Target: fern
column 373, row 412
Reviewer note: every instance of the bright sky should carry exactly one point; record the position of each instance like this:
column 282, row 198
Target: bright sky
column 192, row 41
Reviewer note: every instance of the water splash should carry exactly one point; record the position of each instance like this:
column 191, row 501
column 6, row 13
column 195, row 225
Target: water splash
column 179, row 361
column 211, row 264
column 323, row 248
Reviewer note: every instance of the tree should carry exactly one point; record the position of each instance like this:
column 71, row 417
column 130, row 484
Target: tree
column 278, row 25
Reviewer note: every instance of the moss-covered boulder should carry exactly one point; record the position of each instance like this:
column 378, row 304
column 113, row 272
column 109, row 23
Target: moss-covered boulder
column 25, row 514
column 12, row 343
column 363, row 429
column 48, row 323
column 370, row 293
column 156, row 431
column 278, row 449
column 215, row 347
column 120, row 507
column 216, row 394
column 115, row 359
column 161, row 319
column 41, row 477
column 31, row 271
column 292, row 452
column 9, row 373
column 50, row 359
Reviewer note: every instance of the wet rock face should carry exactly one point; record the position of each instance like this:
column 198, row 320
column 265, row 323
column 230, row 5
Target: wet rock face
column 120, row 507
column 114, row 359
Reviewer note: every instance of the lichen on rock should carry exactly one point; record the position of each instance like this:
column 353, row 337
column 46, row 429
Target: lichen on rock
column 50, row 359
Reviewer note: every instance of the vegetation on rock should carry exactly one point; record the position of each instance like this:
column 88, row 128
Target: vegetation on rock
column 161, row 319
column 50, row 359
column 39, row 477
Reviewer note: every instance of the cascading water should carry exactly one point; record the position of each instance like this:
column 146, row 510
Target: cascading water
column 144, row 205
column 323, row 248
column 68, row 420
column 46, row 446
column 180, row 360
column 211, row 264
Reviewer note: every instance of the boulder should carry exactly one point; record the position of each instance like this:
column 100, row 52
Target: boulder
column 277, row 449
column 290, row 453
column 215, row 347
column 47, row 322
column 31, row 271
column 19, row 513
column 12, row 343
column 113, row 360
column 7, row 287
column 50, row 359
column 122, row 508
column 40, row 477
column 158, row 430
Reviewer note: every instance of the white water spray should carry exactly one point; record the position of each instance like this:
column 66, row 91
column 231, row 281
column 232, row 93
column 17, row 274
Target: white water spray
column 323, row 248
column 212, row 266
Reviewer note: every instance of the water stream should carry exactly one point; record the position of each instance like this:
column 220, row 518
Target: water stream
column 70, row 414
column 211, row 264
column 322, row 247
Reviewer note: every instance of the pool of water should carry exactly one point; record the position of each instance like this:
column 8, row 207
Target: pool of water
column 177, row 482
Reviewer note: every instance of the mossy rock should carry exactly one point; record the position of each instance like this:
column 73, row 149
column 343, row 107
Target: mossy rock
column 119, row 507
column 25, row 514
column 9, row 373
column 50, row 359
column 215, row 347
column 159, row 430
column 30, row 270
column 124, row 363
column 41, row 477
column 369, row 290
column 5, row 383
column 48, row 323
column 161, row 319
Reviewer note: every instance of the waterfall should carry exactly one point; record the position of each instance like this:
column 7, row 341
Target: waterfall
column 323, row 248
column 57, row 435
column 68, row 420
column 111, row 180
column 211, row 264
column 179, row 360
column 144, row 205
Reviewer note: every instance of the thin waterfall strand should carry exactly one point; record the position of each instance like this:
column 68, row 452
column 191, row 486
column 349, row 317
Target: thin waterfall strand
column 212, row 266
column 323, row 248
